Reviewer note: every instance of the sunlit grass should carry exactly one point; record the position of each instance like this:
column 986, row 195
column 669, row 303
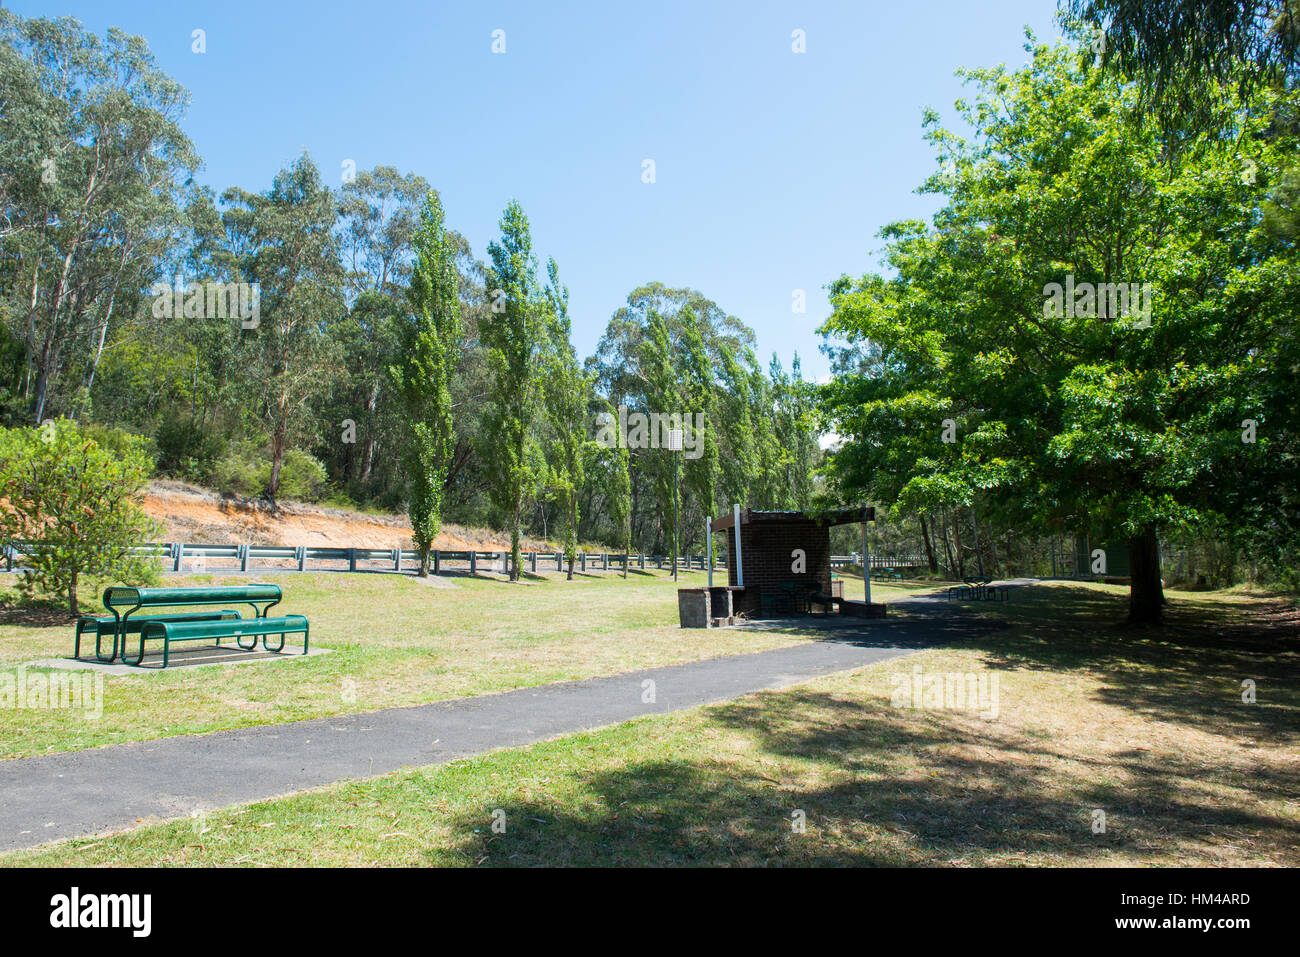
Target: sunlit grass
column 1084, row 723
column 1148, row 728
column 395, row 641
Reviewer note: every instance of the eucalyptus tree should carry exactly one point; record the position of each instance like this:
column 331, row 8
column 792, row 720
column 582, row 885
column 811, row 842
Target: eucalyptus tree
column 284, row 240
column 379, row 213
column 93, row 170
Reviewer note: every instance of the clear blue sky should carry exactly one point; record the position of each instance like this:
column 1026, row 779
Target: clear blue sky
column 774, row 170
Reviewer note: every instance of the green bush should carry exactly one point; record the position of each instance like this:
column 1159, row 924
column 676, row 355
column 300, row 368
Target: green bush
column 237, row 471
column 187, row 450
column 246, row 470
column 78, row 503
column 302, row 477
column 119, row 441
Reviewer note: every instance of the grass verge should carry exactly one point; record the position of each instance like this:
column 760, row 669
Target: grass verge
column 1146, row 726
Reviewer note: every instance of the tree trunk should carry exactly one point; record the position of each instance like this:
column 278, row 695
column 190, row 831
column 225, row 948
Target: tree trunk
column 947, row 545
column 929, row 548
column 277, row 460
column 515, row 552
column 368, row 462
column 424, row 563
column 956, row 541
column 1146, row 594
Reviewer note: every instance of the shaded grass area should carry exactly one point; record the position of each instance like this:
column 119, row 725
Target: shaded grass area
column 1146, row 727
column 395, row 641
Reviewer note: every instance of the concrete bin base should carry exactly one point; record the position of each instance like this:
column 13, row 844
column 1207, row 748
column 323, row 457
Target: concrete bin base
column 693, row 607
column 860, row 609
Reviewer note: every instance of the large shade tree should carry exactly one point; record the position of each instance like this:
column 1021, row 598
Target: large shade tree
column 991, row 384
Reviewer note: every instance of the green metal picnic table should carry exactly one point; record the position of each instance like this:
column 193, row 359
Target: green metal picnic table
column 125, row 600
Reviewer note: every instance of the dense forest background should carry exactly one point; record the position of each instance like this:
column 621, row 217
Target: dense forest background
column 100, row 205
column 389, row 365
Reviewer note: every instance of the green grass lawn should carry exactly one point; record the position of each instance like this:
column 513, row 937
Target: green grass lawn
column 1145, row 725
column 395, row 641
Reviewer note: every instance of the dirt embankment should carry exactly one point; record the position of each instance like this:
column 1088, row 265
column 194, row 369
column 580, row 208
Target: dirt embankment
column 198, row 516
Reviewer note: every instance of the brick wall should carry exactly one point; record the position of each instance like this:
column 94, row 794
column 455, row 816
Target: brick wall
column 766, row 555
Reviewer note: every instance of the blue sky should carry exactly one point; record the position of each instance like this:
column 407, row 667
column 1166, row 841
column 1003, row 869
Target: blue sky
column 774, row 170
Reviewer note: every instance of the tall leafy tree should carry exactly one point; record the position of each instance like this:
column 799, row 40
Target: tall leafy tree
column 1177, row 49
column 1075, row 418
column 567, row 389
column 698, row 396
column 285, row 242
column 430, row 347
column 93, row 170
column 379, row 211
column 514, row 333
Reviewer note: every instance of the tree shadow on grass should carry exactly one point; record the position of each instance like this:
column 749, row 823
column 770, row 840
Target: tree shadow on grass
column 878, row 786
column 1187, row 672
column 911, row 633
column 35, row 616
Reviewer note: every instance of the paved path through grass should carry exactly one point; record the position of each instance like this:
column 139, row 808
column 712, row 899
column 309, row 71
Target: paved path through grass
column 85, row 792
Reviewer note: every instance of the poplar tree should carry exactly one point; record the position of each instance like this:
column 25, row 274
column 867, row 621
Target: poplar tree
column 514, row 333
column 430, row 345
column 567, row 388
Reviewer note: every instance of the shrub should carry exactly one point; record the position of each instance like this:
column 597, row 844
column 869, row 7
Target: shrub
column 187, row 450
column 246, row 470
column 78, row 504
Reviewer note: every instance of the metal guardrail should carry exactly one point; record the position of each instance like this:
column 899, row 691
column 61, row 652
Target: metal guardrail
column 881, row 561
column 186, row 557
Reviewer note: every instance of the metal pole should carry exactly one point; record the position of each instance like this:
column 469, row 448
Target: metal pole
column 708, row 538
column 740, row 568
column 866, row 563
column 675, row 543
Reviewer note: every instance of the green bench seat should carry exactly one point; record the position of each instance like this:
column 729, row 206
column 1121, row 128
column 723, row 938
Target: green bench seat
column 169, row 631
column 120, row 628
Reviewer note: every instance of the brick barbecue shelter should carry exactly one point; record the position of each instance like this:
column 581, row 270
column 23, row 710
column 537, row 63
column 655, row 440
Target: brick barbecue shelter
column 766, row 559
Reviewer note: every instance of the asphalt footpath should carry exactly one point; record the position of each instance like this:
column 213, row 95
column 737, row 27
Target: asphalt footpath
column 88, row 792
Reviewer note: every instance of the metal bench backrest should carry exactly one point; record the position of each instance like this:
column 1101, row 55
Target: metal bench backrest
column 121, row 596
